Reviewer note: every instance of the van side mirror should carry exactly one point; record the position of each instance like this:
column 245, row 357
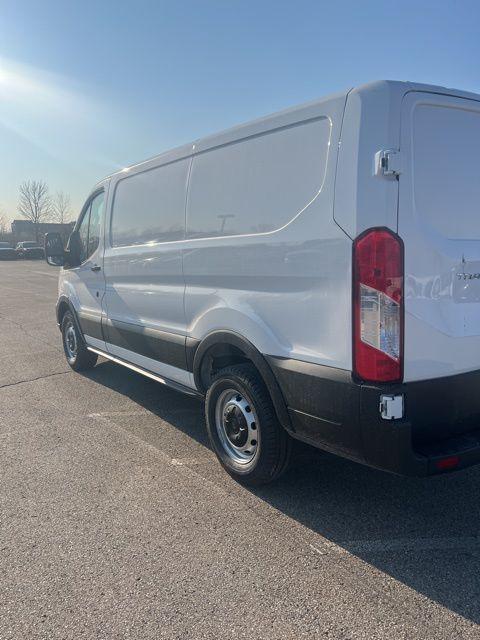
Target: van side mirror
column 74, row 250
column 54, row 249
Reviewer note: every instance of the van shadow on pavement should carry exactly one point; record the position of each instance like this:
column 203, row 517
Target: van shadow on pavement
column 423, row 532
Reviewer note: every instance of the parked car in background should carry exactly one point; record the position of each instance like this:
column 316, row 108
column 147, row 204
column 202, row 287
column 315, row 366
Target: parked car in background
column 7, row 252
column 30, row 250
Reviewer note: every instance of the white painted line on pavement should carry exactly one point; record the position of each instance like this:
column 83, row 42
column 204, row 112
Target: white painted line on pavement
column 112, row 414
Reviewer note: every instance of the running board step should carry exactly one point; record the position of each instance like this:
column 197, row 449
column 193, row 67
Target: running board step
column 148, row 374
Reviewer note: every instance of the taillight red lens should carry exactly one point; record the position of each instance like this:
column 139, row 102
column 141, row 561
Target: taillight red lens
column 448, row 463
column 378, row 306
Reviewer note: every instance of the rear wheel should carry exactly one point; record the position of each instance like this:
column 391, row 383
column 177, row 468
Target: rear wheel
column 76, row 352
column 243, row 428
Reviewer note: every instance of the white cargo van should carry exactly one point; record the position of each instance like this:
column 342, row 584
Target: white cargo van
column 314, row 274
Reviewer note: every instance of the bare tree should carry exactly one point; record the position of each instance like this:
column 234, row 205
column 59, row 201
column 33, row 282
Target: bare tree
column 61, row 207
column 3, row 223
column 34, row 202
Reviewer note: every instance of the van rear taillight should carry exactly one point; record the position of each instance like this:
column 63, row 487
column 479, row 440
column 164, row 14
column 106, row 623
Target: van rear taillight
column 378, row 306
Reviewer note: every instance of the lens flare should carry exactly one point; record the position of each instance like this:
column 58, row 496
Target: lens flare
column 54, row 113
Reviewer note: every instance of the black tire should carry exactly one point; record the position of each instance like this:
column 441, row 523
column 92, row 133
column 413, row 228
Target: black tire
column 252, row 409
column 76, row 352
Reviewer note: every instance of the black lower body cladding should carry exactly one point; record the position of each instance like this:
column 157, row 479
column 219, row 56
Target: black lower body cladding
column 331, row 411
column 322, row 402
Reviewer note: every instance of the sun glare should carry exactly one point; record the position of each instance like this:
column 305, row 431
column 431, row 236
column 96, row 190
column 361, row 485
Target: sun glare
column 47, row 109
column 32, row 89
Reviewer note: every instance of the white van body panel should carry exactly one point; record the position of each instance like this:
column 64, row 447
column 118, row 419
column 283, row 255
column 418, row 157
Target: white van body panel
column 254, row 283
column 143, row 278
column 371, row 123
column 248, row 283
column 144, row 281
column 439, row 221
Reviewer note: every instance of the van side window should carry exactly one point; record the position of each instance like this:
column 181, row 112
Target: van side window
column 150, row 206
column 257, row 184
column 83, row 235
column 90, row 226
column 96, row 216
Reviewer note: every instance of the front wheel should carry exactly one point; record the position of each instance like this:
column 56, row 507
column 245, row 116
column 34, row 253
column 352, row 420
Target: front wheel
column 243, row 428
column 76, row 352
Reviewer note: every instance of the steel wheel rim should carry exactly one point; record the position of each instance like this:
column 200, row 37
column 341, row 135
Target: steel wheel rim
column 236, row 423
column 71, row 344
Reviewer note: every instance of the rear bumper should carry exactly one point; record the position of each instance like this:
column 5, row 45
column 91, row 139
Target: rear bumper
column 440, row 430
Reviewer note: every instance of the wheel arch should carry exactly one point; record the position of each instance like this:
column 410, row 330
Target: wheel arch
column 223, row 348
column 64, row 305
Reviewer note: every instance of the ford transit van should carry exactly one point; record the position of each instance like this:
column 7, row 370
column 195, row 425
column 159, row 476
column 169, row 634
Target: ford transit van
column 314, row 274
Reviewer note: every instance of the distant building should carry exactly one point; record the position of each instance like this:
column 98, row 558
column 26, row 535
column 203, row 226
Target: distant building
column 25, row 229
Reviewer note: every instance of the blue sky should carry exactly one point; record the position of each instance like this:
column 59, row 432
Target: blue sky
column 89, row 87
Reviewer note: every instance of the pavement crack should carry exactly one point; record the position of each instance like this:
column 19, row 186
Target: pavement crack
column 28, row 333
column 49, row 375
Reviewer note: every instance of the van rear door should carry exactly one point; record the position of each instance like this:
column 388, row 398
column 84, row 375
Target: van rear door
column 439, row 221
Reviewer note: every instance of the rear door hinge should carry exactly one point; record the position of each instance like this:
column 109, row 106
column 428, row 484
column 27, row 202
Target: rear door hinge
column 388, row 162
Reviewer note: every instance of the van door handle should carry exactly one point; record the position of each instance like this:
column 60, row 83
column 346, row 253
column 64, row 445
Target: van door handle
column 96, row 267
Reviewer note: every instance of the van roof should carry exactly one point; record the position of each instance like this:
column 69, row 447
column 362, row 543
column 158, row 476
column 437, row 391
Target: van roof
column 394, row 88
column 238, row 131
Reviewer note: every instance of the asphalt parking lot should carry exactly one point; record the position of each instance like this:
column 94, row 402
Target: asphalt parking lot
column 117, row 522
